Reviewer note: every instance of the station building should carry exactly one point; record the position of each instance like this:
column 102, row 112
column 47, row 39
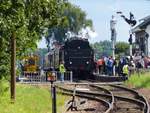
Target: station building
column 142, row 36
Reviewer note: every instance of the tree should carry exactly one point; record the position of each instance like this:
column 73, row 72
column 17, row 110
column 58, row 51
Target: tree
column 102, row 48
column 24, row 21
column 72, row 19
column 121, row 48
column 27, row 19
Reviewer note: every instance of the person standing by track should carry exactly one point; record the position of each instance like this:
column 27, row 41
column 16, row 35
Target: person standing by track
column 100, row 64
column 125, row 70
column 62, row 70
column 110, row 65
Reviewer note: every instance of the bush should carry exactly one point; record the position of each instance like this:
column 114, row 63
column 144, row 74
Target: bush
column 141, row 80
column 3, row 86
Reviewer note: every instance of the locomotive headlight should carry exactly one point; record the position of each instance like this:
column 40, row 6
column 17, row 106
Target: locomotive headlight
column 70, row 62
column 87, row 62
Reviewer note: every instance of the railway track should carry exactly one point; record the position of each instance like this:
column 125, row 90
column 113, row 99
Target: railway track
column 105, row 105
column 112, row 98
column 109, row 97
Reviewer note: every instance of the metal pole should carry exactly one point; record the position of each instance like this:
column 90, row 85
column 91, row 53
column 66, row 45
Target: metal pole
column 113, row 55
column 53, row 93
column 113, row 49
column 130, row 49
column 130, row 36
column 71, row 76
column 13, row 71
column 113, row 38
column 113, row 34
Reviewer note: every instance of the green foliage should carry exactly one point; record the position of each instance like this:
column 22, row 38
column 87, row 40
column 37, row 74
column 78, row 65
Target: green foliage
column 102, row 48
column 31, row 19
column 30, row 100
column 27, row 19
column 122, row 48
column 3, row 87
column 71, row 18
column 141, row 80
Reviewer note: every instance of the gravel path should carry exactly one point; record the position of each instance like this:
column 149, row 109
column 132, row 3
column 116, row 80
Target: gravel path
column 90, row 107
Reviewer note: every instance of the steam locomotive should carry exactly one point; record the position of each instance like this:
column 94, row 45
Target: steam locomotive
column 78, row 57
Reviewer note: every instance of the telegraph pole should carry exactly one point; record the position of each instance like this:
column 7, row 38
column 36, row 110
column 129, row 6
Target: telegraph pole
column 13, row 66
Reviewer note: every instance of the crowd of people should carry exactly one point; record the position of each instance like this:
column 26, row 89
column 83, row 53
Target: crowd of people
column 122, row 66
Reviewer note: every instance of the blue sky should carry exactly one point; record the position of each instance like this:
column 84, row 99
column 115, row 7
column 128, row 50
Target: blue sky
column 100, row 11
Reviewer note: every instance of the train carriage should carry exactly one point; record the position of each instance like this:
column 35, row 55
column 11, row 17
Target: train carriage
column 30, row 65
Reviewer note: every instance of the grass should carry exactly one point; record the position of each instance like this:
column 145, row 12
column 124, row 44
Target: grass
column 139, row 80
column 30, row 99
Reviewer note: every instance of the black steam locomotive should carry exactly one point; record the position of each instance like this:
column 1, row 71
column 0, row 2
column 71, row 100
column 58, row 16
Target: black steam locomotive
column 77, row 55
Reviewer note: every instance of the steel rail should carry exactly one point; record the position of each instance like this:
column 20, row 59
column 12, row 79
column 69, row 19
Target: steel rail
column 138, row 96
column 131, row 100
column 107, row 92
column 92, row 97
column 88, row 95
